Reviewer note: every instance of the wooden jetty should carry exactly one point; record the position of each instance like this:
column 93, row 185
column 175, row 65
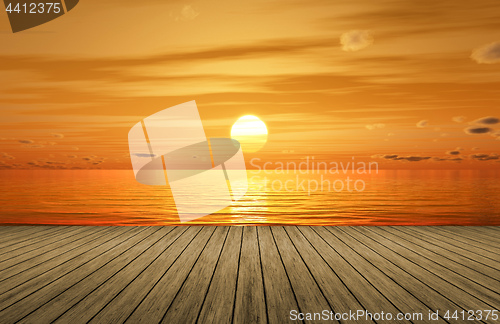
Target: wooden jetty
column 252, row 274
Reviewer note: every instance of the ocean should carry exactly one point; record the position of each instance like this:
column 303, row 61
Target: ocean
column 389, row 197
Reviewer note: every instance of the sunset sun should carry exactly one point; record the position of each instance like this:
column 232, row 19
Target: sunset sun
column 251, row 132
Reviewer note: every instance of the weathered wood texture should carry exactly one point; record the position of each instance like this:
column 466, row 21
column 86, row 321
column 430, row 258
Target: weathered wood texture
column 245, row 274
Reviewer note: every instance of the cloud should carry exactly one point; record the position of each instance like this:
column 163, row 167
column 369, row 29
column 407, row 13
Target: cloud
column 187, row 13
column 455, row 159
column 47, row 164
column 487, row 120
column 34, row 163
column 54, row 162
column 485, row 157
column 4, row 165
column 355, row 40
column 417, row 158
column 6, row 156
column 396, row 157
column 26, row 141
column 422, row 123
column 477, row 130
column 459, row 119
column 57, row 135
column 456, row 152
column 487, row 54
column 374, row 126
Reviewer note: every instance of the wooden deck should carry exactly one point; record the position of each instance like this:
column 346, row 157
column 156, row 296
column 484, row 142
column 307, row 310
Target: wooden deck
column 245, row 274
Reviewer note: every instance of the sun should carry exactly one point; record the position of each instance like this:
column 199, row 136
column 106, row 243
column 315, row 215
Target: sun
column 251, row 132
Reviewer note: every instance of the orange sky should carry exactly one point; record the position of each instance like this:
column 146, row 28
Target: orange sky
column 405, row 83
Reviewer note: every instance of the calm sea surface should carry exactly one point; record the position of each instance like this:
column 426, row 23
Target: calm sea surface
column 103, row 197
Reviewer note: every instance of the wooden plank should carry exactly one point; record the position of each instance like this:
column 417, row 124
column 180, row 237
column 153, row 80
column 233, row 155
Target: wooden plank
column 430, row 298
column 491, row 229
column 464, row 295
column 120, row 307
column 24, row 283
column 31, row 239
column 107, row 252
column 188, row 302
column 43, row 246
column 27, row 236
column 485, row 245
column 444, row 256
column 481, row 255
column 402, row 300
column 370, row 298
column 10, row 228
column 474, row 235
column 456, row 274
column 340, row 299
column 280, row 297
column 250, row 302
column 153, row 306
column 48, row 260
column 310, row 298
column 219, row 301
column 15, row 251
column 448, row 244
column 82, row 301
column 242, row 274
column 490, row 232
column 12, row 233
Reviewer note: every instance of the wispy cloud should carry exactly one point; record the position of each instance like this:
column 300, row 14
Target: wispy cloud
column 6, row 156
column 487, row 54
column 484, row 157
column 356, row 40
column 423, row 124
column 487, row 120
column 187, row 13
column 375, row 126
column 459, row 119
column 411, row 158
column 477, row 130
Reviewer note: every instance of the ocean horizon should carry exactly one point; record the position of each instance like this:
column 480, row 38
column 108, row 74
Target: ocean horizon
column 386, row 197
